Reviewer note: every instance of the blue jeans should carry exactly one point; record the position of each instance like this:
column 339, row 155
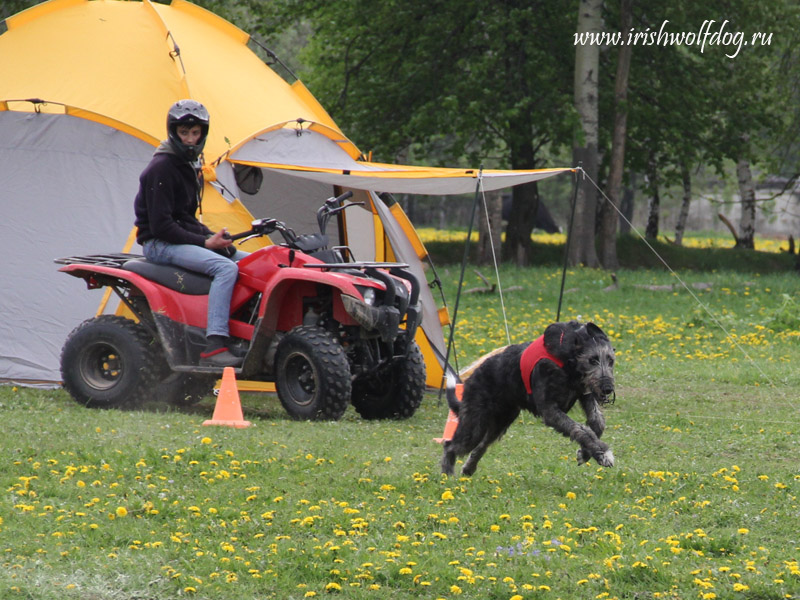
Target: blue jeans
column 223, row 271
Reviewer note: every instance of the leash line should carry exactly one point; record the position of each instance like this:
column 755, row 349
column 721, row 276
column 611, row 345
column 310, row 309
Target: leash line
column 494, row 260
column 707, row 310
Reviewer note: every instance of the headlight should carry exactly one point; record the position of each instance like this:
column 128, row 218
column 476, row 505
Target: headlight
column 369, row 294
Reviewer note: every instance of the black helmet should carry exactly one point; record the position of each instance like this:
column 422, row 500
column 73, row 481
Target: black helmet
column 187, row 112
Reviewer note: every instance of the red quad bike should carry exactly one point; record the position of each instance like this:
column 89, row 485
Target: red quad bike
column 326, row 329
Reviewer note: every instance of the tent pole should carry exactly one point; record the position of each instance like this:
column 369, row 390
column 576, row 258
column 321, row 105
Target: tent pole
column 566, row 245
column 450, row 341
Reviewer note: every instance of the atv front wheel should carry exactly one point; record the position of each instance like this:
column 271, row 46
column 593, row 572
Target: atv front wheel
column 110, row 361
column 394, row 392
column 313, row 375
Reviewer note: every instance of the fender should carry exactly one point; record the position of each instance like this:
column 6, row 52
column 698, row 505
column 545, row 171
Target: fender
column 191, row 310
column 299, row 279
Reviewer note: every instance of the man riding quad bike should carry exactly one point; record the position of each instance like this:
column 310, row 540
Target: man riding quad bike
column 327, row 330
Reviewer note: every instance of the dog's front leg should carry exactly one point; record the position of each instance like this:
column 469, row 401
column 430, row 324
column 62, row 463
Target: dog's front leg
column 596, row 422
column 546, row 395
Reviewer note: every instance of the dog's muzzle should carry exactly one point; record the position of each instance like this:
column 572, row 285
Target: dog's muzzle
column 605, row 393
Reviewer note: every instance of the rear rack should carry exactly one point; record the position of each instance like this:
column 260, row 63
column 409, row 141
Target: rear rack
column 102, row 260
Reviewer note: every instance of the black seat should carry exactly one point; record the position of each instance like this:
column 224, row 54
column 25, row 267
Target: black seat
column 175, row 278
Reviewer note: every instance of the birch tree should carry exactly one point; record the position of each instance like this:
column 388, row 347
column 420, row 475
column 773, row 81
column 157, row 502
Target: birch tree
column 584, row 152
column 608, row 215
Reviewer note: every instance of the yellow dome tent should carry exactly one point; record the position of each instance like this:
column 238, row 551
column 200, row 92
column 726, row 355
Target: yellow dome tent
column 84, row 90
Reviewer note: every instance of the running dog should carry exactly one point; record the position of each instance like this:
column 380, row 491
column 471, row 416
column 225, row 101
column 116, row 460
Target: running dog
column 572, row 362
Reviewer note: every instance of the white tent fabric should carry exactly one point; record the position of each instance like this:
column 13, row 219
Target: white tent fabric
column 405, row 253
column 312, row 155
column 95, row 169
column 464, row 183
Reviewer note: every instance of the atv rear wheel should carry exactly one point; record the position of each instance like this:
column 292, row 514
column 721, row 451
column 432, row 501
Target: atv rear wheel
column 394, row 392
column 313, row 375
column 110, row 361
column 185, row 389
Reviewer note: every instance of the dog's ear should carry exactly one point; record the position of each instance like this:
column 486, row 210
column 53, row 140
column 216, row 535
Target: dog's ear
column 595, row 332
column 559, row 339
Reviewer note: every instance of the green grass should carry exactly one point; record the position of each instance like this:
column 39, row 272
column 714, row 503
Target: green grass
column 150, row 504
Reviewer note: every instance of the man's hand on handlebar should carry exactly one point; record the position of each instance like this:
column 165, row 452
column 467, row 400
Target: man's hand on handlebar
column 220, row 239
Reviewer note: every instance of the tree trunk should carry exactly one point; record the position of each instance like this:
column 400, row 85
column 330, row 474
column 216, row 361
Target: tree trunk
column 651, row 232
column 524, row 204
column 626, row 205
column 486, row 242
column 747, row 191
column 608, row 213
column 441, row 212
column 524, row 198
column 584, row 152
column 680, row 226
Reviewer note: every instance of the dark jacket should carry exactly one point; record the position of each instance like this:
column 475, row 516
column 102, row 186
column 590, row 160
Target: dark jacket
column 167, row 202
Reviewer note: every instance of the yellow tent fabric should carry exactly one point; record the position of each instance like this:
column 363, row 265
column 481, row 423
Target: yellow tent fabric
column 130, row 61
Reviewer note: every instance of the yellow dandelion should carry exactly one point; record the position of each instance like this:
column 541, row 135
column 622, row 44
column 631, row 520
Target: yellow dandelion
column 121, row 511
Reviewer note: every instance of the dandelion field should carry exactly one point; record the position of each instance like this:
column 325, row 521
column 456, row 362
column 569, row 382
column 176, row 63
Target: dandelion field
column 702, row 503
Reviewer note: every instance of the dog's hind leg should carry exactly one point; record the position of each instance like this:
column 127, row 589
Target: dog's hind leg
column 493, row 432
column 468, row 434
column 472, row 462
column 448, row 458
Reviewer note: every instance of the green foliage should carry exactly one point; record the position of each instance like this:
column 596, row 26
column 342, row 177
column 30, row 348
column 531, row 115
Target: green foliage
column 12, row 7
column 450, row 79
column 786, row 317
column 634, row 253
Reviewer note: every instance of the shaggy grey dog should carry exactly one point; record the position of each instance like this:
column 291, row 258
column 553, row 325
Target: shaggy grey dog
column 572, row 362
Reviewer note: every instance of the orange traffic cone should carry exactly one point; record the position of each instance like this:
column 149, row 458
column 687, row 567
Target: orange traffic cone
column 452, row 420
column 228, row 410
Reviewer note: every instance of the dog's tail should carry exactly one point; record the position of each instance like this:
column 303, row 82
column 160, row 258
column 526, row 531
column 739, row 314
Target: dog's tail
column 453, row 381
column 453, row 387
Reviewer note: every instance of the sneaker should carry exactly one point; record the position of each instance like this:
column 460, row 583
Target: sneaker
column 221, row 357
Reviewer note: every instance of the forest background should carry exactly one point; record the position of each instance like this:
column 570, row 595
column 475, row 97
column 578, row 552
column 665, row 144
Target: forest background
column 685, row 115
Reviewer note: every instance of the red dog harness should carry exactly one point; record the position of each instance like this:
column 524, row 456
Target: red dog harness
column 532, row 355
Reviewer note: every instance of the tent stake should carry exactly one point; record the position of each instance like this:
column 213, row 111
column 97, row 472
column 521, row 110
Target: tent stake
column 450, row 341
column 566, row 245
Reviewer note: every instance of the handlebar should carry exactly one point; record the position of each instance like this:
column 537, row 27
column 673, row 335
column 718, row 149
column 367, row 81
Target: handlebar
column 239, row 236
column 261, row 227
column 339, row 199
